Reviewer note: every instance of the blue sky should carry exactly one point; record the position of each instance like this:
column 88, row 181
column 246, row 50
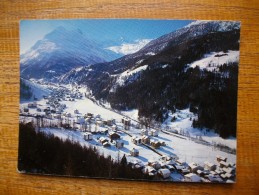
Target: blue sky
column 109, row 32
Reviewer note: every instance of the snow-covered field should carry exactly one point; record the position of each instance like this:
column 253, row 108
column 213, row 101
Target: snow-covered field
column 214, row 59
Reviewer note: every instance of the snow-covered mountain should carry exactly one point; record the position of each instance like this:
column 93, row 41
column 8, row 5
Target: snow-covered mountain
column 60, row 51
column 194, row 67
column 188, row 46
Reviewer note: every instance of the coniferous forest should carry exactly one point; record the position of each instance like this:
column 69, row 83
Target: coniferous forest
column 46, row 154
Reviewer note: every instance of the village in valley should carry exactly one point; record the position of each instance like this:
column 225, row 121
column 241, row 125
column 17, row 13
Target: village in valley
column 160, row 151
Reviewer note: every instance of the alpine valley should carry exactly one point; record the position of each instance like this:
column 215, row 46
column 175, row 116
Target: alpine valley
column 100, row 100
column 194, row 67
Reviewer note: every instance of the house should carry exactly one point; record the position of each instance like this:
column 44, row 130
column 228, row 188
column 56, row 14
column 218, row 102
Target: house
column 191, row 177
column 221, row 158
column 25, row 109
column 153, row 133
column 184, row 171
column 223, row 164
column 103, row 140
column 212, row 178
column 103, row 131
column 110, row 122
column 90, row 115
column 80, row 120
column 170, row 167
column 155, row 144
column 181, row 162
column 119, row 144
column 114, row 136
column 134, row 152
column 229, row 170
column 114, row 127
column 136, row 140
column 99, row 123
column 164, row 173
column 155, row 164
column 145, row 139
column 88, row 136
column 194, row 167
column 144, row 132
column 210, row 166
column 137, row 164
column 148, row 170
column 32, row 105
column 126, row 123
column 106, row 144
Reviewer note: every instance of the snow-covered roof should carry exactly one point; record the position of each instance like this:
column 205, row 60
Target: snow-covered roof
column 164, row 171
column 134, row 150
column 193, row 177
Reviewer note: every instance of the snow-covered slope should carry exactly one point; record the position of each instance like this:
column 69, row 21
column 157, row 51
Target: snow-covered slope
column 212, row 60
column 193, row 30
column 129, row 48
column 38, row 91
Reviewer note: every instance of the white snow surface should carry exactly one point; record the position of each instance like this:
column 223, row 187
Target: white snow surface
column 37, row 90
column 129, row 48
column 128, row 75
column 211, row 62
column 183, row 123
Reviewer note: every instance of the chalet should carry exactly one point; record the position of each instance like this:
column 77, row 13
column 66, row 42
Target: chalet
column 212, row 178
column 32, row 105
column 210, row 166
column 68, row 115
column 137, row 164
column 221, row 158
column 170, row 167
column 180, row 162
column 99, row 123
column 103, row 131
column 134, row 152
column 119, row 144
column 200, row 173
column 149, row 171
column 114, row 127
column 90, row 115
column 102, row 140
column 144, row 132
column 153, row 133
column 106, row 144
column 164, row 173
column 126, row 123
column 145, row 139
column 179, row 168
column 155, row 164
column 114, row 136
column 223, row 164
column 80, row 120
column 155, row 144
column 136, row 140
column 229, row 170
column 88, row 136
column 25, row 109
column 109, row 122
column 191, row 177
column 57, row 116
column 194, row 167
column 184, row 171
